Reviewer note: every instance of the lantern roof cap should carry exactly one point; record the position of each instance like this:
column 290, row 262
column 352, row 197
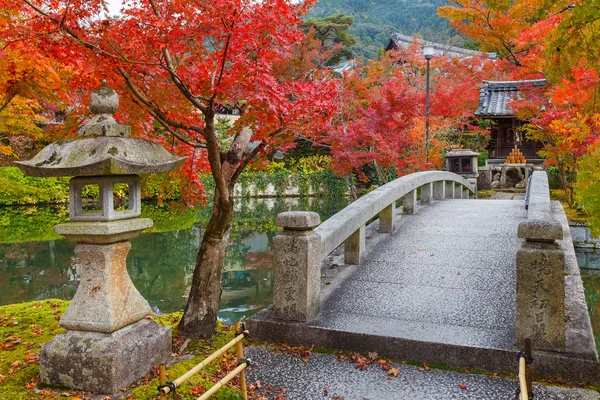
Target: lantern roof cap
column 461, row 153
column 101, row 156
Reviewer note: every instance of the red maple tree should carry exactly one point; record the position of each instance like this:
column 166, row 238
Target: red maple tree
column 175, row 61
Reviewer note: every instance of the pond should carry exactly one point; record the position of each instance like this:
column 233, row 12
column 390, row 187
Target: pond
column 37, row 264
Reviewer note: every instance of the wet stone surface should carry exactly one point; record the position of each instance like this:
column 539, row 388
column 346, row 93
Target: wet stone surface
column 308, row 380
column 444, row 285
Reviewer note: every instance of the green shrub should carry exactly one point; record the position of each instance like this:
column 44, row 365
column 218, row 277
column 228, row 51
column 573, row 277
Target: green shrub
column 15, row 188
column 587, row 187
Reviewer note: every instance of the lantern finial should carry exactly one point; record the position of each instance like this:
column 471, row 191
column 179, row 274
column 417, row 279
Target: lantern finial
column 104, row 103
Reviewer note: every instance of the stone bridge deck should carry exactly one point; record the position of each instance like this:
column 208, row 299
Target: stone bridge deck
column 441, row 289
column 447, row 275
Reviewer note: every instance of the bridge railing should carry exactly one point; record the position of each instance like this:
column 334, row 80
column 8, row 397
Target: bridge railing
column 540, row 272
column 304, row 242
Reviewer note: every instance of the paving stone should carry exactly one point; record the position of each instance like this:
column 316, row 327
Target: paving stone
column 308, row 380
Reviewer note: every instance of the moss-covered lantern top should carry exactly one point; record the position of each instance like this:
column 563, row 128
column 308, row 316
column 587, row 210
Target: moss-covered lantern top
column 104, row 147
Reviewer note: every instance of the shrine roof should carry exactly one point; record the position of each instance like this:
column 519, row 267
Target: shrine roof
column 495, row 96
column 397, row 41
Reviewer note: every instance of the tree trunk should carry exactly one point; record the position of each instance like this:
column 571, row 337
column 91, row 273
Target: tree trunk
column 200, row 314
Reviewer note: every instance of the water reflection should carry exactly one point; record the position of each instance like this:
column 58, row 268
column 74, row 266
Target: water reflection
column 36, row 265
column 589, row 264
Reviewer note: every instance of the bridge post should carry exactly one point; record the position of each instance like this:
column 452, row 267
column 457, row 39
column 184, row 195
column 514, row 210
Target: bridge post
column 427, row 193
column 387, row 219
column 354, row 247
column 540, row 273
column 297, row 267
column 409, row 202
column 465, row 192
column 449, row 189
column 439, row 190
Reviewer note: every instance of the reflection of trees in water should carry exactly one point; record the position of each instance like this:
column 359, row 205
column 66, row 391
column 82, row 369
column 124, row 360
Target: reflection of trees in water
column 160, row 263
column 32, row 269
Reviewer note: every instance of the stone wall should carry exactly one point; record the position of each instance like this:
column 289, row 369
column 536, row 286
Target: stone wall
column 582, row 237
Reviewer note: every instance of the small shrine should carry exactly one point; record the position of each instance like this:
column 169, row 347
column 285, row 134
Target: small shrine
column 109, row 342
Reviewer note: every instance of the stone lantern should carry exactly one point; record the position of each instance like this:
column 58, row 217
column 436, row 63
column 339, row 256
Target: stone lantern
column 109, row 342
column 462, row 162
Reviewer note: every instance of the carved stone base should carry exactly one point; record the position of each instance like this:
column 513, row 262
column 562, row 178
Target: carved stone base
column 104, row 363
column 106, row 299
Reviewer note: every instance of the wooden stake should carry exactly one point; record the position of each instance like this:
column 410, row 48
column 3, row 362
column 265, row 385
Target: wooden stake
column 162, row 379
column 240, row 357
column 528, row 369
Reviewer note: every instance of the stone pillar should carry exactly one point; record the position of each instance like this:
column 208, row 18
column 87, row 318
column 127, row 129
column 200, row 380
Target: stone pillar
column 387, row 219
column 484, row 180
column 449, row 190
column 439, row 190
column 109, row 343
column 541, row 285
column 354, row 247
column 297, row 267
column 465, row 192
column 106, row 299
column 427, row 193
column 409, row 202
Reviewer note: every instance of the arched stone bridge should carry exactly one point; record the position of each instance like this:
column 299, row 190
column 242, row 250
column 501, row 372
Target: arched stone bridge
column 444, row 279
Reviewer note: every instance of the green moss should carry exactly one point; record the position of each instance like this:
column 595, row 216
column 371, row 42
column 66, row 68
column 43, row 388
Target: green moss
column 25, row 327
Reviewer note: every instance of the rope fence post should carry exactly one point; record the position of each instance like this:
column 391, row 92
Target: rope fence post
column 162, row 380
column 525, row 376
column 240, row 356
column 170, row 387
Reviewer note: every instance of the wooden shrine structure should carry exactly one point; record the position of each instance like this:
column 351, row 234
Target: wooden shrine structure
column 494, row 104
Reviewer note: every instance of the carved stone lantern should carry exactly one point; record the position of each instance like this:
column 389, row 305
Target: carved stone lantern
column 462, row 162
column 109, row 343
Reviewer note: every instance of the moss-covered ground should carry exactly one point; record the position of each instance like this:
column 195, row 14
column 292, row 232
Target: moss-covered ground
column 25, row 327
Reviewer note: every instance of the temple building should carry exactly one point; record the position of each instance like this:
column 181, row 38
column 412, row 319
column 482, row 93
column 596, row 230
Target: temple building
column 494, row 105
column 399, row 41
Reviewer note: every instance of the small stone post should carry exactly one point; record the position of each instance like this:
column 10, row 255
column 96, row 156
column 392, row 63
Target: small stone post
column 439, row 190
column 449, row 190
column 540, row 273
column 427, row 193
column 465, row 192
column 409, row 202
column 297, row 267
column 387, row 219
column 354, row 247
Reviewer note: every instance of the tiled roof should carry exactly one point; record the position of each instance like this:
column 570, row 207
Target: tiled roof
column 398, row 40
column 495, row 96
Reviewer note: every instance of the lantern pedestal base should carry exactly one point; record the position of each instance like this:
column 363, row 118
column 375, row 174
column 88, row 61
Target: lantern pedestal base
column 104, row 363
column 106, row 299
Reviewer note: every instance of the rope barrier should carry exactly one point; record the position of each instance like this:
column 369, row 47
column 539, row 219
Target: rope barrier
column 170, row 387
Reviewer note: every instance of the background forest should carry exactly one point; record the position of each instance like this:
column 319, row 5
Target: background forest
column 373, row 21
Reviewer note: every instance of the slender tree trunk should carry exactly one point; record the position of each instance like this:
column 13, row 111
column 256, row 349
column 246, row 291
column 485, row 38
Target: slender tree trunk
column 200, row 315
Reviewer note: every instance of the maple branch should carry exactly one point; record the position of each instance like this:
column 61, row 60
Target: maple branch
column 7, row 101
column 247, row 160
column 170, row 68
column 181, row 138
column 562, row 10
column 160, row 115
